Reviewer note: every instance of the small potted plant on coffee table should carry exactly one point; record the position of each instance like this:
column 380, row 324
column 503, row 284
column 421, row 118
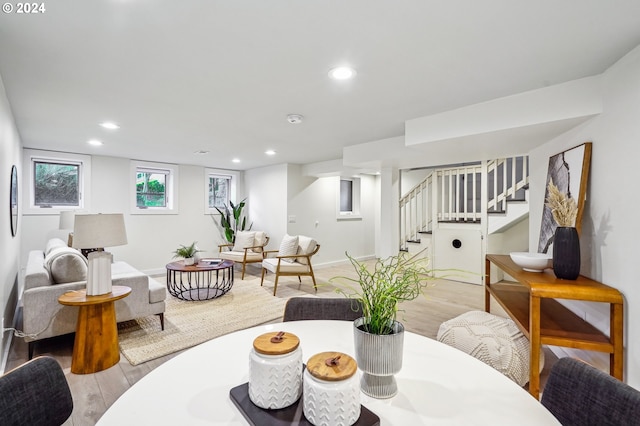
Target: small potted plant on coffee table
column 188, row 253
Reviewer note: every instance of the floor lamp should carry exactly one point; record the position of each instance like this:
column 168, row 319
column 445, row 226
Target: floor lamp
column 91, row 231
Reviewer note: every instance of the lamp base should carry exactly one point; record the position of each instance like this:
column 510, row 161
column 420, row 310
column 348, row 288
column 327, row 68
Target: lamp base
column 99, row 273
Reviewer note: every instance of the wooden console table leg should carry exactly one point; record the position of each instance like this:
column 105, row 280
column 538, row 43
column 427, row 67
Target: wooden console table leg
column 96, row 341
column 487, row 284
column 534, row 341
column 616, row 322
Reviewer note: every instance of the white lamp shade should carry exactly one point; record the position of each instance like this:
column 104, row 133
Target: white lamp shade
column 99, row 231
column 66, row 219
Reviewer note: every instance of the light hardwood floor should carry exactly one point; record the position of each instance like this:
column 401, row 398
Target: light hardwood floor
column 94, row 393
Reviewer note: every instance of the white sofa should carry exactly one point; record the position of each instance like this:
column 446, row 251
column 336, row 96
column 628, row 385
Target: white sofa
column 59, row 269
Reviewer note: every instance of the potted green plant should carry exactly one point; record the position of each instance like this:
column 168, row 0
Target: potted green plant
column 232, row 220
column 378, row 335
column 188, row 253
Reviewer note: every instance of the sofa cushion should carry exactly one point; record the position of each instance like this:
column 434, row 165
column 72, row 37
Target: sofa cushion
column 244, row 239
column 288, row 247
column 66, row 265
column 306, row 245
column 157, row 291
column 53, row 243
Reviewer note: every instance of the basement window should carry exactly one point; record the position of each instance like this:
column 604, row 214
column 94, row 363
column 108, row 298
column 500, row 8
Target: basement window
column 56, row 181
column 220, row 188
column 349, row 199
column 155, row 188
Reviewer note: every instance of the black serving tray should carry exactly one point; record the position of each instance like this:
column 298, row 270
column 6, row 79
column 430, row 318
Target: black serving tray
column 291, row 415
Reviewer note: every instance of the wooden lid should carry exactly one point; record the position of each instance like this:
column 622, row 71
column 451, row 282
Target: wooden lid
column 321, row 366
column 269, row 344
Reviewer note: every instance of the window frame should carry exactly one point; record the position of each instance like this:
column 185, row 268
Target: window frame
column 233, row 186
column 355, row 212
column 33, row 156
column 171, row 186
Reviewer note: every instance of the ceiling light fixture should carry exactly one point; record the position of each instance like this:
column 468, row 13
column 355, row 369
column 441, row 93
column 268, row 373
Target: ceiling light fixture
column 109, row 125
column 94, row 142
column 236, row 160
column 342, row 73
column 270, row 152
column 295, row 118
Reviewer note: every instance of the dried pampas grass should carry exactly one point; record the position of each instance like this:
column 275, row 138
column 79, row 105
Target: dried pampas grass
column 563, row 208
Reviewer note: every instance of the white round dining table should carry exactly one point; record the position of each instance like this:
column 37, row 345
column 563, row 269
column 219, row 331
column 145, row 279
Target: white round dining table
column 438, row 384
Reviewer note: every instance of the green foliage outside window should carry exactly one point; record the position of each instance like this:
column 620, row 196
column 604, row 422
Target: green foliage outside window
column 150, row 189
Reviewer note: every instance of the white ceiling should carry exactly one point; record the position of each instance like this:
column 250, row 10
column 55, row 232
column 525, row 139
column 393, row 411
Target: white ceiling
column 182, row 76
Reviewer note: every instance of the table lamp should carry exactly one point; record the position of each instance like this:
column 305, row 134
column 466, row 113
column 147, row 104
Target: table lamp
column 96, row 231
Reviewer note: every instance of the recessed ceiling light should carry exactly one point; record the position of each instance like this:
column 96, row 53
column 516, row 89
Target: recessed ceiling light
column 342, row 73
column 295, row 118
column 236, row 160
column 94, row 142
column 109, row 125
column 270, row 152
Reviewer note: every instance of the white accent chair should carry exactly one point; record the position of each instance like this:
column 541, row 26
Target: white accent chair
column 287, row 263
column 248, row 248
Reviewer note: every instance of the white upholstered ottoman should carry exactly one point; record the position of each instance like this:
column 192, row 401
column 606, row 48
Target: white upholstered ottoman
column 494, row 340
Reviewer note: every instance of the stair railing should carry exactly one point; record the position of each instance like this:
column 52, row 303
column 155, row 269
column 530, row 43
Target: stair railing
column 455, row 193
column 506, row 177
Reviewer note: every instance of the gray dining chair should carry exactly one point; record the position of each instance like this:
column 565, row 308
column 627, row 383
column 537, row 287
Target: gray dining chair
column 578, row 394
column 317, row 308
column 35, row 393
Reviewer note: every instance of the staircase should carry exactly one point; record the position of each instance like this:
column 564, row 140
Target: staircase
column 460, row 205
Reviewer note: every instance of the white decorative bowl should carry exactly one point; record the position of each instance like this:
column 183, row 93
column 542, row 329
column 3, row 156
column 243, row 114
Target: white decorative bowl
column 532, row 262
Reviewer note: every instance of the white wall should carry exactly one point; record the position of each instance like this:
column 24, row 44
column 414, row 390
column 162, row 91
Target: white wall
column 151, row 238
column 288, row 202
column 10, row 154
column 266, row 189
column 610, row 227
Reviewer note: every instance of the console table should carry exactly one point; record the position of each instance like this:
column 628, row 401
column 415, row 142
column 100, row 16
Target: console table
column 530, row 303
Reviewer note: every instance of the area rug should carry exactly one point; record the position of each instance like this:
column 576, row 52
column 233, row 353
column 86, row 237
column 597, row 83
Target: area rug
column 190, row 323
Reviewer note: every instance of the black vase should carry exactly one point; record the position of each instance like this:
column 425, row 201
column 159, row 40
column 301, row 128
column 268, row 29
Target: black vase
column 566, row 253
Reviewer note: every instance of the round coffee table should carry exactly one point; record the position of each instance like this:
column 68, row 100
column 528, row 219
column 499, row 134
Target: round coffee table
column 202, row 281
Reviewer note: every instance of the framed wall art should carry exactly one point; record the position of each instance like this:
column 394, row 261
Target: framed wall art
column 570, row 172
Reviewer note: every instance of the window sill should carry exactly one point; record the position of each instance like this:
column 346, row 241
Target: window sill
column 349, row 217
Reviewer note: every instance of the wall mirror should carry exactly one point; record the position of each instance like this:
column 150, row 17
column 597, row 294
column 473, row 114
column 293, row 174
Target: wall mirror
column 13, row 201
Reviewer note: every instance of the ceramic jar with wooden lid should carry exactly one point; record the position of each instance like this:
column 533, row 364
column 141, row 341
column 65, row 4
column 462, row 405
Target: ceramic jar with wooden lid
column 331, row 394
column 275, row 370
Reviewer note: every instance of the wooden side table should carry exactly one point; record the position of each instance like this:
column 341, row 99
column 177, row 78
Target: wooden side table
column 96, row 343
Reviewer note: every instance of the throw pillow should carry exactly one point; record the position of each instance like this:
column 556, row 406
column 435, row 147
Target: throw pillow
column 244, row 239
column 54, row 243
column 305, row 246
column 288, row 247
column 66, row 265
column 260, row 239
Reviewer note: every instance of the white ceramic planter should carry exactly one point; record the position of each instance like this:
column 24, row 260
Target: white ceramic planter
column 379, row 357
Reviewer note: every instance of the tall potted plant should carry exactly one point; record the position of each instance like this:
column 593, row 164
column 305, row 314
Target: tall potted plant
column 232, row 220
column 566, row 243
column 378, row 335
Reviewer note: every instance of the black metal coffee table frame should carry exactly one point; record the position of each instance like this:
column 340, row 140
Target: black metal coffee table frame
column 199, row 281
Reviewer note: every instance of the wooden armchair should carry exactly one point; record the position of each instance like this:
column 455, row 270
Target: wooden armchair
column 248, row 248
column 298, row 264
